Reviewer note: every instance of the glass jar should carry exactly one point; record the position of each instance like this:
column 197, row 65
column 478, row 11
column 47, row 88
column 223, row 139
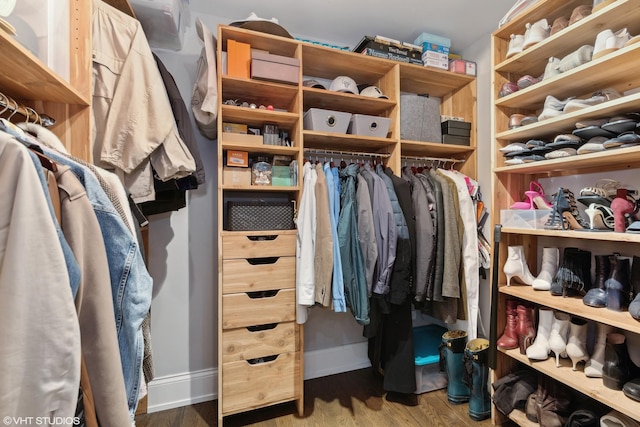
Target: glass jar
column 261, row 171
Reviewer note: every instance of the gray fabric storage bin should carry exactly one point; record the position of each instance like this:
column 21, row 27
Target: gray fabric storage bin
column 420, row 118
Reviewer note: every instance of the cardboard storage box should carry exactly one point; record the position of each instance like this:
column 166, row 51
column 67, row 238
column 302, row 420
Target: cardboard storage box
column 326, row 120
column 462, row 66
column 234, row 127
column 531, row 219
column 238, row 158
column 236, row 176
column 456, row 127
column 420, row 118
column 267, row 66
column 456, row 140
column 362, row 124
column 240, row 138
column 238, row 59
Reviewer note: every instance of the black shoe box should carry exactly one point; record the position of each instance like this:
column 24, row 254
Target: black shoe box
column 456, row 140
column 456, row 127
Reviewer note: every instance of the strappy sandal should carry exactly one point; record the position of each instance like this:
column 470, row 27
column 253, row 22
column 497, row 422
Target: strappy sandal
column 602, row 193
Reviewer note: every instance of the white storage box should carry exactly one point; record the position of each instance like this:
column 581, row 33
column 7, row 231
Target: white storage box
column 163, row 21
column 532, row 219
column 362, row 124
column 326, row 120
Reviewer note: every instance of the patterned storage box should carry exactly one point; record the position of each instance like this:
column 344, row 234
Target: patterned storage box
column 259, row 215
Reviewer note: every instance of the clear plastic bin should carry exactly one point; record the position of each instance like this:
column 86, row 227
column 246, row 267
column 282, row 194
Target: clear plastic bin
column 532, row 219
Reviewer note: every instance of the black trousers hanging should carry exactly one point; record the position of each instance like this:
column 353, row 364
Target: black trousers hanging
column 391, row 344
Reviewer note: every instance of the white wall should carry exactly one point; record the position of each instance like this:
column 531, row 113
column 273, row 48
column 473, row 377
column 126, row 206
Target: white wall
column 183, row 259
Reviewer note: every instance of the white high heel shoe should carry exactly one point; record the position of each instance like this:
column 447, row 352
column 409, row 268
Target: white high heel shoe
column 539, row 350
column 558, row 336
column 577, row 344
column 516, row 266
column 550, row 261
column 600, row 217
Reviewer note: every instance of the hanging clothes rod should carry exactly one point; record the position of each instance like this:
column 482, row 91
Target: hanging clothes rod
column 9, row 106
column 432, row 159
column 344, row 153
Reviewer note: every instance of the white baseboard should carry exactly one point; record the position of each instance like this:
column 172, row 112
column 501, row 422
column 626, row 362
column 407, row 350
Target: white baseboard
column 335, row 360
column 173, row 391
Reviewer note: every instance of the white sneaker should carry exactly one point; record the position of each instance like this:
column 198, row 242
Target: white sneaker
column 515, row 45
column 607, row 41
column 597, row 98
column 536, row 32
column 551, row 70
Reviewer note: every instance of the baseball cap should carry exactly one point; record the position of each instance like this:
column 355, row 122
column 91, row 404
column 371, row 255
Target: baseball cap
column 344, row 84
column 313, row 83
column 371, row 91
column 269, row 26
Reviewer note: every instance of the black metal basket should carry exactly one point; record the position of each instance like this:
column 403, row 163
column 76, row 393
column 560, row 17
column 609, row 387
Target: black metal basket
column 260, row 215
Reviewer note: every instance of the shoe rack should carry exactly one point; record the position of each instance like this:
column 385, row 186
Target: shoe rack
column 615, row 70
column 243, row 386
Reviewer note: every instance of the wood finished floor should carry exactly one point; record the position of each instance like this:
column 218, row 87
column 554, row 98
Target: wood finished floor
column 350, row 399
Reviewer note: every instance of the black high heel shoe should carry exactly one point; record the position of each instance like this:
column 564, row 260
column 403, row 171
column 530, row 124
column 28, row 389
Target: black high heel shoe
column 565, row 214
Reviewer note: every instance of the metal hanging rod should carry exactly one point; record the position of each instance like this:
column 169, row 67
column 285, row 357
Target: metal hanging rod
column 344, row 153
column 432, row 159
column 9, row 106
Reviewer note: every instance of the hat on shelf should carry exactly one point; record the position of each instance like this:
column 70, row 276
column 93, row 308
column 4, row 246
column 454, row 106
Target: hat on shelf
column 313, row 83
column 6, row 7
column 344, row 84
column 371, row 91
column 255, row 23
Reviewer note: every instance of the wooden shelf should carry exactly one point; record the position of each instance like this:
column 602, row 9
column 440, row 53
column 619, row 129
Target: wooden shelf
column 122, row 5
column 592, row 387
column 575, row 306
column 615, row 70
column 273, row 44
column 607, row 236
column 328, row 63
column 565, row 123
column 256, row 117
column 320, row 98
column 418, row 148
column 281, row 96
column 615, row 159
column 534, row 59
column 520, row 418
column 270, row 149
column 25, row 77
column 260, row 188
column 436, row 82
column 256, row 233
column 345, row 142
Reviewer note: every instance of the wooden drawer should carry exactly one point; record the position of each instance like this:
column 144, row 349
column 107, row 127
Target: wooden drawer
column 246, row 386
column 240, row 310
column 265, row 340
column 257, row 246
column 258, row 274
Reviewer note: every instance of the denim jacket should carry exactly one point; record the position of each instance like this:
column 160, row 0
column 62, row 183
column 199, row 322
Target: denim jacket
column 131, row 284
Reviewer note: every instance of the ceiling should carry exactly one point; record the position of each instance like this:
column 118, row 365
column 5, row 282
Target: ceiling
column 347, row 21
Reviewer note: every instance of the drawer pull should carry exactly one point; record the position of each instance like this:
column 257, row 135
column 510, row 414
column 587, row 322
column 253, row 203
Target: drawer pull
column 262, row 238
column 263, row 261
column 263, row 294
column 259, row 328
column 260, row 360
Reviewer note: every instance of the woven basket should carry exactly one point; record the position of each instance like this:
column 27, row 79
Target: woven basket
column 250, row 216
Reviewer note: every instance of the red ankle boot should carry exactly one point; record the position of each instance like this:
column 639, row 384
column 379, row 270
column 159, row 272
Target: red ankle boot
column 509, row 339
column 526, row 327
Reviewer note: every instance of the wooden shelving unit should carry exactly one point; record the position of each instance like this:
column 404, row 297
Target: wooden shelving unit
column 509, row 182
column 281, row 380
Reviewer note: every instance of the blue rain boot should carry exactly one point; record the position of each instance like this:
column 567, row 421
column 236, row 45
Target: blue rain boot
column 451, row 354
column 477, row 378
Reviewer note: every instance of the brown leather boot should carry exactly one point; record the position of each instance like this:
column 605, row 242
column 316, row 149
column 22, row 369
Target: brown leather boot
column 553, row 400
column 526, row 327
column 509, row 338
